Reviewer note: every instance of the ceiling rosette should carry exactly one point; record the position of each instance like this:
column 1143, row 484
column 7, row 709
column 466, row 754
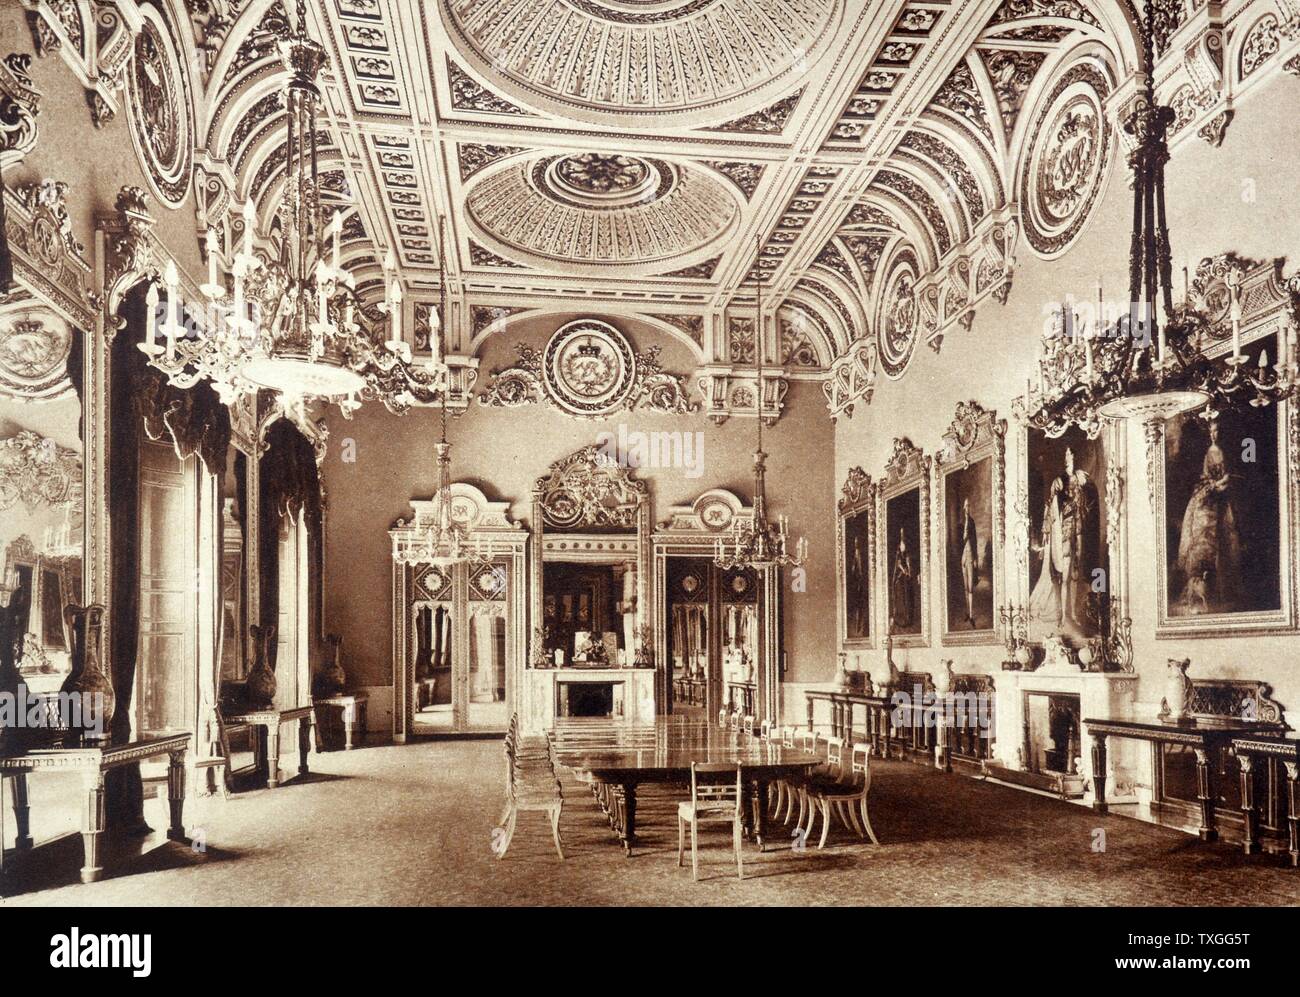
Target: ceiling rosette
column 602, row 210
column 666, row 61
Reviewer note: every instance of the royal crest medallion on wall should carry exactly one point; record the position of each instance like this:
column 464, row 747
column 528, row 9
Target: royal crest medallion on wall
column 588, row 368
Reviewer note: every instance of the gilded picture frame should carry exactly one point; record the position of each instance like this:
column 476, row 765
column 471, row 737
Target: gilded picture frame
column 903, row 550
column 855, row 562
column 970, row 523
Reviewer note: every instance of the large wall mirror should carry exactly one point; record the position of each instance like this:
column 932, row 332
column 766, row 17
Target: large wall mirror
column 41, row 488
column 717, row 631
column 459, row 627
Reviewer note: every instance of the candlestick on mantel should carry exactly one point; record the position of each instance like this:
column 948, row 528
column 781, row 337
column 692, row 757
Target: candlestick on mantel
column 151, row 316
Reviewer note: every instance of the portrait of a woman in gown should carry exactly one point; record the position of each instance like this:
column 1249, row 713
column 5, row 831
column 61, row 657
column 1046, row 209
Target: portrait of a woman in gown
column 1223, row 532
column 902, row 587
column 1209, row 544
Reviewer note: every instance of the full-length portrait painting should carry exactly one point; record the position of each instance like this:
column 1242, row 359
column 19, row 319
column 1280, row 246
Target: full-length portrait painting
column 1222, row 514
column 857, row 575
column 968, row 564
column 903, row 562
column 1068, row 556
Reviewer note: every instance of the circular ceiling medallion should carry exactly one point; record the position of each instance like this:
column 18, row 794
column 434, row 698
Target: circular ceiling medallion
column 601, row 210
column 598, row 60
column 589, row 368
column 1062, row 176
column 161, row 120
column 897, row 321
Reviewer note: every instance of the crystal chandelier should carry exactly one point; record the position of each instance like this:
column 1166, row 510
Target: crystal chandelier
column 757, row 543
column 1140, row 367
column 294, row 322
column 441, row 539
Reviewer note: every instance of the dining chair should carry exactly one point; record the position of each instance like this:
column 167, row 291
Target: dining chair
column 734, row 720
column 716, row 798
column 722, row 716
column 842, row 792
column 747, row 724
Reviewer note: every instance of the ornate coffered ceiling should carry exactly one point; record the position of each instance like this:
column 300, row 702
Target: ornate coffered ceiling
column 890, row 159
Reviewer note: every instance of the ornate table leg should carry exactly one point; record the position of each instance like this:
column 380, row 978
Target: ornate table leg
column 941, row 759
column 22, row 813
column 1099, row 774
column 304, row 743
column 1205, row 793
column 1250, row 843
column 349, row 724
column 176, row 795
column 1293, row 811
column 273, row 754
column 92, row 826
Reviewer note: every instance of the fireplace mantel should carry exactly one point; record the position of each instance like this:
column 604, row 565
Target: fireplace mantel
column 542, row 693
column 1101, row 694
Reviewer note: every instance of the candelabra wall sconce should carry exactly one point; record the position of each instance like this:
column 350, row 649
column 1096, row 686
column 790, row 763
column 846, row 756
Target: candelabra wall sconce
column 1015, row 622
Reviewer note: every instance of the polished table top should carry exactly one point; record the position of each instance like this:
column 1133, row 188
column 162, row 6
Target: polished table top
column 610, row 751
column 104, row 753
column 1193, row 727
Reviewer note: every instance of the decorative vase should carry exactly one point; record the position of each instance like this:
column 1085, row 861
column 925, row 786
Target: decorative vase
column 333, row 679
column 260, row 683
column 841, row 673
column 1178, row 691
column 91, row 699
column 1024, row 656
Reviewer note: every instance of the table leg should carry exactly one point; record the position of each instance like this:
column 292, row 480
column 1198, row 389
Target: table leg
column 176, row 795
column 349, row 725
column 1293, row 811
column 272, row 755
column 627, row 830
column 1205, row 793
column 92, row 826
column 22, row 813
column 810, row 714
column 941, row 758
column 760, row 832
column 1099, row 774
column 304, row 744
column 1250, row 843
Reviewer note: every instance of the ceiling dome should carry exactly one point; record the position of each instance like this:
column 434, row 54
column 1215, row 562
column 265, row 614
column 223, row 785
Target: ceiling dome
column 599, row 209
column 682, row 59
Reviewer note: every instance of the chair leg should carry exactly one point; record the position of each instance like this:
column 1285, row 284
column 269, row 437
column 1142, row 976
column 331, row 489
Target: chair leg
column 826, row 823
column 510, row 832
column 695, row 850
column 681, row 839
column 740, row 851
column 555, row 830
column 853, row 816
column 867, row 821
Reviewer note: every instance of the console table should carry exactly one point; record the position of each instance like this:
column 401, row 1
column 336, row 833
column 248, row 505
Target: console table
column 271, row 721
column 93, row 762
column 1265, row 747
column 352, row 715
column 1205, row 736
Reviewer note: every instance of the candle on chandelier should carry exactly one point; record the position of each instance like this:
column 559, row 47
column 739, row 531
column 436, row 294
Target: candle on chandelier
column 396, row 313
column 211, row 243
column 151, row 316
column 172, row 279
column 250, row 217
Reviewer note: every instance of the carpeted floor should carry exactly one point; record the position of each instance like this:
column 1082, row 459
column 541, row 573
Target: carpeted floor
column 413, row 825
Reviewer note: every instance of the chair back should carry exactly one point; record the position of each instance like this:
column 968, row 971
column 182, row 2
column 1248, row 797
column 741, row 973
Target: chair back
column 835, row 754
column 716, row 785
column 722, row 717
column 807, row 741
column 747, row 725
column 861, row 762
column 787, row 737
column 734, row 721
column 765, row 730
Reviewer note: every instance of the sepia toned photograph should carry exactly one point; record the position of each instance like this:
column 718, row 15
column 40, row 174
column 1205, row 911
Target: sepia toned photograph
column 675, row 454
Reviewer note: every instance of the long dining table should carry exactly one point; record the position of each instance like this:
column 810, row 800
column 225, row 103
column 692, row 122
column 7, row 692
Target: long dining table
column 616, row 757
